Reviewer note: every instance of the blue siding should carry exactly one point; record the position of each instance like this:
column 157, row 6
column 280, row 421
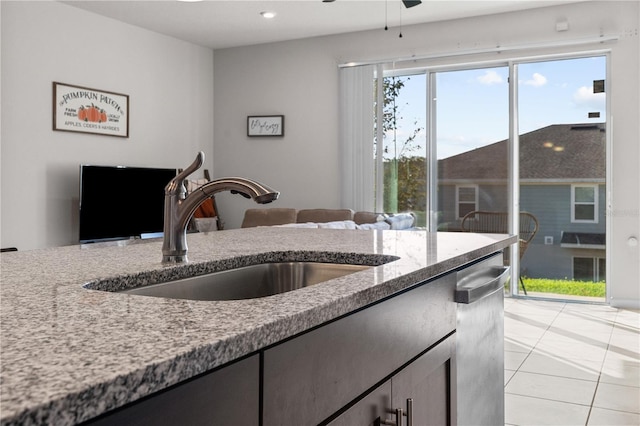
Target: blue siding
column 551, row 205
column 490, row 197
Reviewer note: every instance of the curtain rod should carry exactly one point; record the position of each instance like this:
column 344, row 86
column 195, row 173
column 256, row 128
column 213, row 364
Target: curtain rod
column 497, row 49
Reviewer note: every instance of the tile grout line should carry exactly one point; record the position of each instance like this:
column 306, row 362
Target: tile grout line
column 595, row 391
column 548, row 399
column 615, row 322
column 534, row 345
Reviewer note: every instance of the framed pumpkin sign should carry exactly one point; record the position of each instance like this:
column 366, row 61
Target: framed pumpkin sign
column 85, row 110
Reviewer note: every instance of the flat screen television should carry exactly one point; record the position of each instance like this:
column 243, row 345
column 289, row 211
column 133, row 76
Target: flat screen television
column 120, row 202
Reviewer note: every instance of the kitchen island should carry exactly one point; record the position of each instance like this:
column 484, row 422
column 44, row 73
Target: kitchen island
column 70, row 354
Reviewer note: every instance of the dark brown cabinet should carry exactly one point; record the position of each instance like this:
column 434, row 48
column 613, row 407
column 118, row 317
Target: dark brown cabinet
column 422, row 393
column 374, row 407
column 429, row 383
column 227, row 396
column 313, row 378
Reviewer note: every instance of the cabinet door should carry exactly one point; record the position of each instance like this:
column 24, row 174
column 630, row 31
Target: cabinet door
column 228, row 396
column 429, row 383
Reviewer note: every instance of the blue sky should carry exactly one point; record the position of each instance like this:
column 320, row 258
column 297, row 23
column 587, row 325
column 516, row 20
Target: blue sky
column 472, row 105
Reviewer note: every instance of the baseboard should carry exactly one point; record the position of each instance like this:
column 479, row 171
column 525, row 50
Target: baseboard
column 624, row 303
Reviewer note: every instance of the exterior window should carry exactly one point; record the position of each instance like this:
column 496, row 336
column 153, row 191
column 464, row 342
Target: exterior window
column 589, row 269
column 466, row 199
column 584, row 203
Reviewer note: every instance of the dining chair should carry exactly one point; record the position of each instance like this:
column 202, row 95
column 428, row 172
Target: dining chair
column 496, row 222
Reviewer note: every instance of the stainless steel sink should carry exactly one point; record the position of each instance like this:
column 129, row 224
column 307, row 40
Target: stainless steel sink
column 249, row 282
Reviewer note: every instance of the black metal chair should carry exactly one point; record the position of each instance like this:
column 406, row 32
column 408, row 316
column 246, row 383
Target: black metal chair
column 498, row 223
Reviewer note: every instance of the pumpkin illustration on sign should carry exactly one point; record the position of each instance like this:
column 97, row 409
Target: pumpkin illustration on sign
column 92, row 113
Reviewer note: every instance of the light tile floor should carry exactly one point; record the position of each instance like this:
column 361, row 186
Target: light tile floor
column 571, row 364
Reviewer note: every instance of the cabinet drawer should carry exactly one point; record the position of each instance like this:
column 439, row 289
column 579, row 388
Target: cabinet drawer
column 310, row 377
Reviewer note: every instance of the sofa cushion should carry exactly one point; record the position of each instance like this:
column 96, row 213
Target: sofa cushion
column 324, row 215
column 268, row 217
column 401, row 220
column 326, row 218
column 368, row 217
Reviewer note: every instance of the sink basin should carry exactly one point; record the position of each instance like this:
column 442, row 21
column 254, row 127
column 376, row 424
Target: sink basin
column 248, row 282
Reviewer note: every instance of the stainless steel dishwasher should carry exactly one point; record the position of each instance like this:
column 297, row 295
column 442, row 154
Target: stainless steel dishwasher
column 480, row 343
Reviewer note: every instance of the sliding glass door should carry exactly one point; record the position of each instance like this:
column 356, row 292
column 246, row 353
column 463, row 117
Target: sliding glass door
column 523, row 143
column 562, row 140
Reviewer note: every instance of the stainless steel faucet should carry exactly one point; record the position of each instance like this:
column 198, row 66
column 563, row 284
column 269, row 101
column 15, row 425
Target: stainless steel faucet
column 179, row 207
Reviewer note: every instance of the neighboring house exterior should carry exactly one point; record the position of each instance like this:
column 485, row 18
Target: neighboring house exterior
column 562, row 183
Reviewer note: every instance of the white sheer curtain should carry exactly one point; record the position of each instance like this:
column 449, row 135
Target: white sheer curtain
column 356, row 137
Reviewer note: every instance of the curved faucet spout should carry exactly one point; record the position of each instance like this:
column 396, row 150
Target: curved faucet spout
column 179, row 207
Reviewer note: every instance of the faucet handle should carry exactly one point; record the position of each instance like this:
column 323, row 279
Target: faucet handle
column 177, row 182
column 197, row 163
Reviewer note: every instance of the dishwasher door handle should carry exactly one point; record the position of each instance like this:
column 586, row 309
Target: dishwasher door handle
column 480, row 284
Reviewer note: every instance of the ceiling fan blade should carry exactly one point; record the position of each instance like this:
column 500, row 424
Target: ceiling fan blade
column 411, row 3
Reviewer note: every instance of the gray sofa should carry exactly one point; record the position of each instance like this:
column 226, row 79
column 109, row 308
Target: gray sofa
column 327, row 218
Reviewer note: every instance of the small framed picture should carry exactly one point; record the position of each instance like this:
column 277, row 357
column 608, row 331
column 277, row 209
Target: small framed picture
column 265, row 125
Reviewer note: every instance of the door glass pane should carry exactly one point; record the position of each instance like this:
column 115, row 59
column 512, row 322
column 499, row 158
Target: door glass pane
column 562, row 144
column 404, row 146
column 472, row 127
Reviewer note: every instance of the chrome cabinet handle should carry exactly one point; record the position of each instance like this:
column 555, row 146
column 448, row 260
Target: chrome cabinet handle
column 399, row 413
column 409, row 412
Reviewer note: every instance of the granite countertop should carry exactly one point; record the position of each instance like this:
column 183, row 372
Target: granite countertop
column 69, row 354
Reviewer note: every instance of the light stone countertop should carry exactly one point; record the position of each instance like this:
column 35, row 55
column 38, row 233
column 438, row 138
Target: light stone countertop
column 68, row 354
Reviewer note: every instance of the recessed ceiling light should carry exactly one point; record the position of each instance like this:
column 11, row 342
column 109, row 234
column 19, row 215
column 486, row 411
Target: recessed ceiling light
column 558, row 148
column 268, row 15
column 548, row 144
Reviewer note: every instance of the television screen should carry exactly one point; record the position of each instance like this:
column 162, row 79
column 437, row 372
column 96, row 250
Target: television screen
column 118, row 202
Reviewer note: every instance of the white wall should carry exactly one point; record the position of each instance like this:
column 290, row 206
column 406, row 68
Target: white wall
column 300, row 80
column 170, row 84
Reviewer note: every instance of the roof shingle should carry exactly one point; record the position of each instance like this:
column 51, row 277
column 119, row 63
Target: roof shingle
column 558, row 151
